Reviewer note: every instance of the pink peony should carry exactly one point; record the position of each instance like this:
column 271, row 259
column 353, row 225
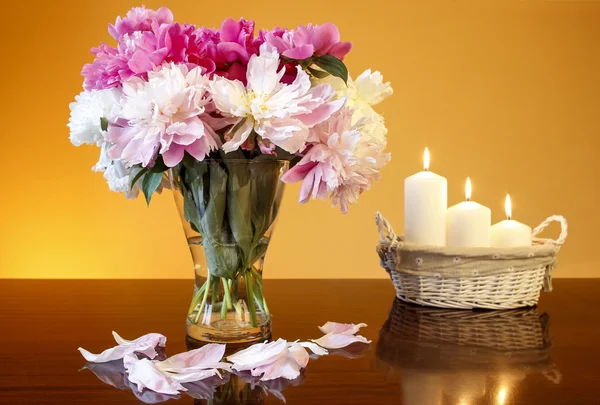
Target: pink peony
column 306, row 41
column 139, row 19
column 232, row 48
column 156, row 40
column 342, row 160
column 162, row 116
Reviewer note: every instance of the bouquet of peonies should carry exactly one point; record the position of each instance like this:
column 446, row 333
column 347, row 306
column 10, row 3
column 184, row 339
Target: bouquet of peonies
column 169, row 92
column 222, row 117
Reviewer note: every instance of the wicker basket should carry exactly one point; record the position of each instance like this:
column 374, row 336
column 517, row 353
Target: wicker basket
column 466, row 278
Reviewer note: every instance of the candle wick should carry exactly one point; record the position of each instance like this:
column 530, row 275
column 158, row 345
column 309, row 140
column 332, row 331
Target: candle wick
column 468, row 199
column 508, row 217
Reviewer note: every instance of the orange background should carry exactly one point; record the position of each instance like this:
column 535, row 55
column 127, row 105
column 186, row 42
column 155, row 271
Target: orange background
column 507, row 93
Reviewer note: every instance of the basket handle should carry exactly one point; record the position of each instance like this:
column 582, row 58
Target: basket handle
column 563, row 230
column 386, row 232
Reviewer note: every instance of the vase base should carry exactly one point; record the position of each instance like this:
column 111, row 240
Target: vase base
column 223, row 332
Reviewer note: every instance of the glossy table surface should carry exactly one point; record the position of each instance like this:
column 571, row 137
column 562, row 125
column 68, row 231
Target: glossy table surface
column 419, row 356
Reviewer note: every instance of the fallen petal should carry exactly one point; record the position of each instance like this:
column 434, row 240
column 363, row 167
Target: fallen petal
column 345, row 328
column 206, row 357
column 285, row 366
column 144, row 374
column 257, row 355
column 315, row 348
column 145, row 344
column 339, row 340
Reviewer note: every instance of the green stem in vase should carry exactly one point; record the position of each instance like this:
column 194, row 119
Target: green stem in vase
column 225, row 305
column 197, row 298
column 251, row 303
column 259, row 284
column 203, row 304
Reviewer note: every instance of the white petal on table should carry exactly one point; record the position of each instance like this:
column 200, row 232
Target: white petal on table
column 315, row 348
column 144, row 374
column 206, row 357
column 339, row 340
column 344, row 328
column 144, row 344
column 257, row 355
column 285, row 366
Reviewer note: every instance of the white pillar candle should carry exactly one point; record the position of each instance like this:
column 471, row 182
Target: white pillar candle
column 510, row 233
column 425, row 205
column 468, row 223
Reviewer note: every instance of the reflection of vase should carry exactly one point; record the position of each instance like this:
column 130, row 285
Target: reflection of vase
column 228, row 209
column 464, row 355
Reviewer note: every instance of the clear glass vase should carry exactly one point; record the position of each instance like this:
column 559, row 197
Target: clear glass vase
column 228, row 209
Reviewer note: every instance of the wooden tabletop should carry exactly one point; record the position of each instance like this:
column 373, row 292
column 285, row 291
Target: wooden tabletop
column 544, row 355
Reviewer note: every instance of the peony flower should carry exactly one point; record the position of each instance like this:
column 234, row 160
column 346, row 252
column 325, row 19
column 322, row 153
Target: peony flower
column 306, row 41
column 362, row 94
column 117, row 174
column 162, row 117
column 86, row 111
column 277, row 112
column 139, row 19
column 343, row 160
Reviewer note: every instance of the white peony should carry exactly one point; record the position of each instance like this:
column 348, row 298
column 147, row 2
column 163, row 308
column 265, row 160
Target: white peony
column 116, row 174
column 279, row 113
column 86, row 111
column 362, row 94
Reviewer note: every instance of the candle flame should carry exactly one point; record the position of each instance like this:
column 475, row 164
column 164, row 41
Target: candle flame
column 468, row 189
column 426, row 159
column 508, row 207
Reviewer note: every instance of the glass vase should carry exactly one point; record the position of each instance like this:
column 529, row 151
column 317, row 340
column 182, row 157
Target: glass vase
column 228, row 209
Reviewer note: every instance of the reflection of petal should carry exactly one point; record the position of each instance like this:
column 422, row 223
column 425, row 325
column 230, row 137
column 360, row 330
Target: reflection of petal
column 145, row 344
column 337, row 340
column 345, row 328
column 354, row 351
column 111, row 373
column 206, row 388
column 150, row 397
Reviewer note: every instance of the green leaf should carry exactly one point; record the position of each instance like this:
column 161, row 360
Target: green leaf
column 333, row 66
column 137, row 176
column 319, row 74
column 150, row 184
column 103, row 124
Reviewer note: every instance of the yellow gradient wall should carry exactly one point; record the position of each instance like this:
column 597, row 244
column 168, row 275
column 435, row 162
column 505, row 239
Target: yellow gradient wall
column 505, row 92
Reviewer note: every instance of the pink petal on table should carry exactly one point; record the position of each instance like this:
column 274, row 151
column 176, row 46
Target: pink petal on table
column 284, row 366
column 299, row 354
column 339, row 340
column 344, row 328
column 144, row 374
column 192, row 376
column 204, row 357
column 257, row 355
column 315, row 348
column 144, row 344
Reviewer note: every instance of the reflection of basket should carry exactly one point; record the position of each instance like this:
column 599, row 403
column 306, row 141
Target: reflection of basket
column 435, row 339
column 449, row 277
